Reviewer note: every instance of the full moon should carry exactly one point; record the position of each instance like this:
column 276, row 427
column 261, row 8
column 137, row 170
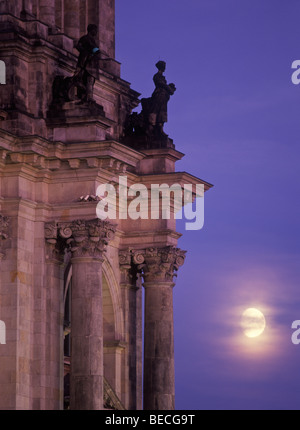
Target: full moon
column 253, row 322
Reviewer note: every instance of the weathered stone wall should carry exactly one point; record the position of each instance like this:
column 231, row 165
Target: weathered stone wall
column 36, row 50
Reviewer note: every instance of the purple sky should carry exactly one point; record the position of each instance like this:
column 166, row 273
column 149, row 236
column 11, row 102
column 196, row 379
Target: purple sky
column 236, row 116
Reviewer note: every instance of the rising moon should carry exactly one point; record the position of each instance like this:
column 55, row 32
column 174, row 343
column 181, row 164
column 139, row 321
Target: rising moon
column 253, row 322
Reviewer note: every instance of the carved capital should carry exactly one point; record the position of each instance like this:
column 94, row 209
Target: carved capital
column 51, row 230
column 125, row 258
column 155, row 264
column 161, row 264
column 87, row 238
column 138, row 258
column 126, row 267
column 84, row 238
column 54, row 247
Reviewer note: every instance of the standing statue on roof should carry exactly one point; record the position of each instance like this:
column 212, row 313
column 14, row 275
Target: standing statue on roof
column 158, row 111
column 150, row 122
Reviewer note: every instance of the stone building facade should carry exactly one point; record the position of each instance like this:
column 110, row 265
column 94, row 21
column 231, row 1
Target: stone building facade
column 71, row 283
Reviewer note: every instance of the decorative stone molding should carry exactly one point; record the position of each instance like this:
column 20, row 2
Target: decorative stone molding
column 90, row 238
column 126, row 267
column 33, row 159
column 138, row 258
column 54, row 248
column 4, row 225
column 84, row 238
column 161, row 264
column 156, row 264
column 74, row 163
column 54, row 164
column 3, row 154
column 125, row 258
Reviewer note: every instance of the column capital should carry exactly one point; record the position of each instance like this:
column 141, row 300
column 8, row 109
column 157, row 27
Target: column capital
column 127, row 269
column 87, row 238
column 125, row 256
column 158, row 264
column 54, row 247
column 84, row 238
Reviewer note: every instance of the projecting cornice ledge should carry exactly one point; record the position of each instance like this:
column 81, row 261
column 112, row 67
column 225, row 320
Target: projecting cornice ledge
column 44, row 154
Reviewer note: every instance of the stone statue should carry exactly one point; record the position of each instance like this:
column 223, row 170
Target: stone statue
column 87, row 69
column 154, row 114
column 80, row 86
column 158, row 102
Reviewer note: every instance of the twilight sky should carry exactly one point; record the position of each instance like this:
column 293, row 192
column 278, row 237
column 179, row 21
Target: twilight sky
column 236, row 116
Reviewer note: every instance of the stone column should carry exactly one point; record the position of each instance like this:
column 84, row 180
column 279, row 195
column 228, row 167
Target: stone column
column 27, row 8
column 87, row 241
column 8, row 309
column 106, row 27
column 84, row 16
column 13, row 7
column 47, row 12
column 49, row 308
column 71, row 18
column 159, row 269
column 132, row 299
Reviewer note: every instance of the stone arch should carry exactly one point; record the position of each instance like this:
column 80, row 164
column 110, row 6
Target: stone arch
column 113, row 328
column 110, row 282
column 112, row 300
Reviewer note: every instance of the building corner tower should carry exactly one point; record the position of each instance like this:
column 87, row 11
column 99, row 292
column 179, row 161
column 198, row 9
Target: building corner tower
column 71, row 283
